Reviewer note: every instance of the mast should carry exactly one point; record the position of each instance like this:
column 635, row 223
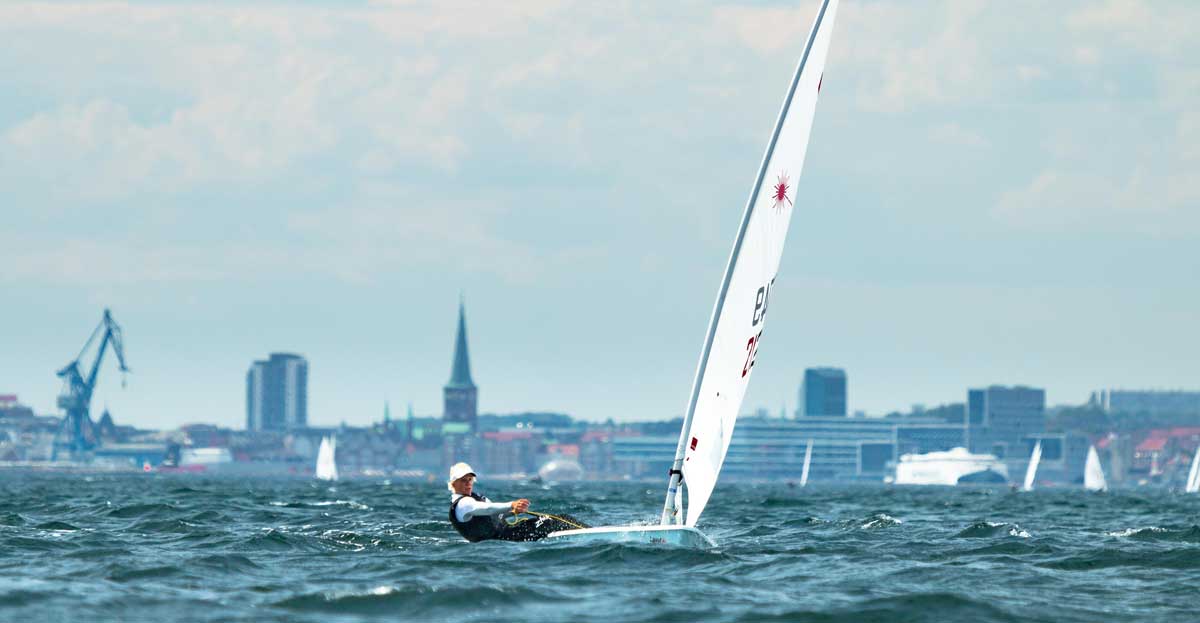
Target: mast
column 672, row 505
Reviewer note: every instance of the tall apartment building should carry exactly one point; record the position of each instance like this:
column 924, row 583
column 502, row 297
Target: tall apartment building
column 277, row 393
column 1001, row 420
column 823, row 393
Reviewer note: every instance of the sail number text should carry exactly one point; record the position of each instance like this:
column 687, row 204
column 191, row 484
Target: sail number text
column 761, row 298
column 751, row 351
column 760, row 303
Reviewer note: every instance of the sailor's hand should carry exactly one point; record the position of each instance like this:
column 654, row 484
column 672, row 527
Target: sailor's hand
column 520, row 506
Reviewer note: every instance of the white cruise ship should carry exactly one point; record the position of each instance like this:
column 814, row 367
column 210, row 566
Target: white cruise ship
column 950, row 468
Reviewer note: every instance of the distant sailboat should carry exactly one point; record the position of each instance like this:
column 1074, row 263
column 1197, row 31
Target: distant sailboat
column 326, row 463
column 807, row 461
column 1031, row 471
column 1093, row 474
column 1193, row 481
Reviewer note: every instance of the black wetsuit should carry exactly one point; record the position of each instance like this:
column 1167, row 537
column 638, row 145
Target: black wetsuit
column 526, row 527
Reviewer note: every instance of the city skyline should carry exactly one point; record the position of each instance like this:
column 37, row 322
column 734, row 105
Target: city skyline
column 326, row 181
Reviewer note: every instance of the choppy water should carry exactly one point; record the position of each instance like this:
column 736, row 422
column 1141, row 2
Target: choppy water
column 156, row 548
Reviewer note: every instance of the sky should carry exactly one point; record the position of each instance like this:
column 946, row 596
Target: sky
column 996, row 193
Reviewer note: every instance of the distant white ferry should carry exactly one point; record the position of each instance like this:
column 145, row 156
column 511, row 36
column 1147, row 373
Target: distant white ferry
column 956, row 466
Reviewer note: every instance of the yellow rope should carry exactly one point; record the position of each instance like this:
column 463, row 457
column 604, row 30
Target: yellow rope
column 566, row 521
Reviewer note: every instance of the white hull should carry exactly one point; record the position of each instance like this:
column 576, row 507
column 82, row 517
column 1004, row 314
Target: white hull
column 945, row 468
column 685, row 536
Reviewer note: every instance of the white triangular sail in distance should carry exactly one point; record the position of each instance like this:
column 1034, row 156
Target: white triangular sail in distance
column 1093, row 474
column 1193, row 481
column 326, row 462
column 735, row 330
column 807, row 462
column 1031, row 471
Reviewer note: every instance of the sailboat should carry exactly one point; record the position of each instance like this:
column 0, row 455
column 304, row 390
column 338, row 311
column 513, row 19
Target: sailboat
column 1031, row 471
column 1093, row 474
column 807, row 462
column 1193, row 481
column 326, row 464
column 735, row 329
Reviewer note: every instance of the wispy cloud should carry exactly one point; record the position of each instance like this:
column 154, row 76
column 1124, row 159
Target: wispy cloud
column 361, row 100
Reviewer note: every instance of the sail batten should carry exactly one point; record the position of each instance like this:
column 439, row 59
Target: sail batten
column 736, row 326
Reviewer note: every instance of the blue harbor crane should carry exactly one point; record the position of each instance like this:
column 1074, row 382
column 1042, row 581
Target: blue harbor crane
column 77, row 433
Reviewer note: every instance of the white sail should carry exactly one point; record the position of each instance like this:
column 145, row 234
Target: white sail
column 1031, row 471
column 735, row 330
column 1193, row 481
column 326, row 462
column 807, row 461
column 1093, row 474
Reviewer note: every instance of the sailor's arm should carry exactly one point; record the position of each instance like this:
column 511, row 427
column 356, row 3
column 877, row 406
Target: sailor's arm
column 468, row 508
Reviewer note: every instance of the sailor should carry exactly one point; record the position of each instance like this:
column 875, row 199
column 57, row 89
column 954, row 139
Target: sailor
column 477, row 518
column 474, row 516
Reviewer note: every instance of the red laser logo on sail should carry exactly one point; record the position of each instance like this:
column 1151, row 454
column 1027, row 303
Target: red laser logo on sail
column 781, row 190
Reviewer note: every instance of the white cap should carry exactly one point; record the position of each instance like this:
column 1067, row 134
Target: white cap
column 458, row 471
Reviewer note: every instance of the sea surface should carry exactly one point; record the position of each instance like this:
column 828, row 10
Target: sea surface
column 180, row 548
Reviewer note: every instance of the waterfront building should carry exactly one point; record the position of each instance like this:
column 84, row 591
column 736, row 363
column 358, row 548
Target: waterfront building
column 459, row 444
column 277, row 393
column 919, row 435
column 644, row 456
column 11, row 408
column 1002, row 421
column 596, row 453
column 106, row 429
column 1146, row 401
column 763, row 448
column 1063, row 456
column 25, row 436
column 509, row 452
column 460, row 394
column 823, row 393
column 843, row 448
column 130, row 455
column 1164, row 453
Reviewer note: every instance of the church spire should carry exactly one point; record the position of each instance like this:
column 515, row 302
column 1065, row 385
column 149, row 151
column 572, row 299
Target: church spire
column 460, row 373
column 460, row 394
